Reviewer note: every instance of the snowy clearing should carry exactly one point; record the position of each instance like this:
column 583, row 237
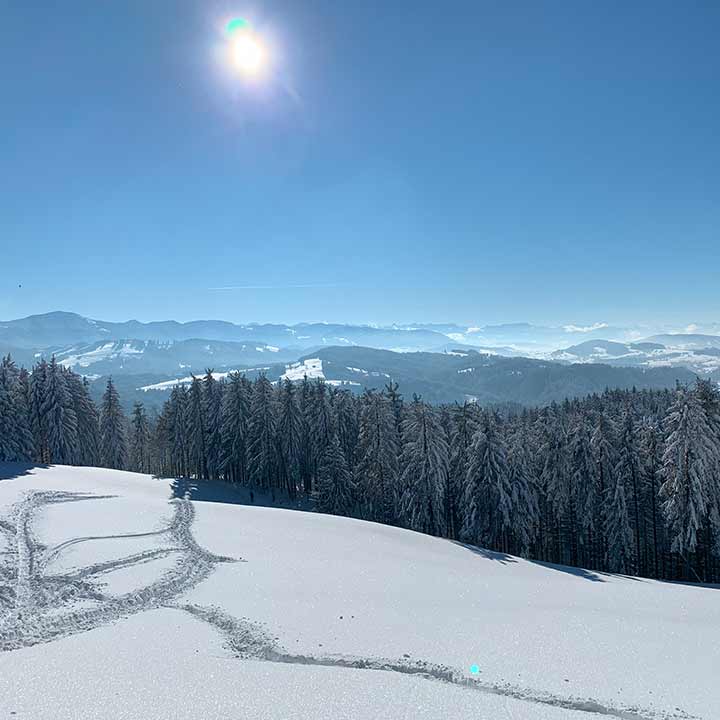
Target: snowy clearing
column 117, row 601
column 312, row 368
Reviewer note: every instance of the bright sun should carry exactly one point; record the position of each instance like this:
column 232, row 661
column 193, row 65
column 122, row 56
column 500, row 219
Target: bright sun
column 248, row 54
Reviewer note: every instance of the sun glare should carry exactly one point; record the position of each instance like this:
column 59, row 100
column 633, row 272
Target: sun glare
column 249, row 56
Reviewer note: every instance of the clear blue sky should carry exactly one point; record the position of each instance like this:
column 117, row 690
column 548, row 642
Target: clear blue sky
column 465, row 160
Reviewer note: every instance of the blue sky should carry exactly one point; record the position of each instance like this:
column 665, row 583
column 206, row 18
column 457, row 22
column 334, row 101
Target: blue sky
column 468, row 160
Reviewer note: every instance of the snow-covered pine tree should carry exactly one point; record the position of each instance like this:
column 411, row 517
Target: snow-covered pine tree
column 709, row 397
column 139, row 440
column 539, row 427
column 20, row 398
column 38, row 419
column 627, row 472
column 487, row 496
column 348, row 424
column 196, row 431
column 59, row 418
column 425, row 462
column 617, row 528
column 334, row 489
column 321, row 424
column 465, row 420
column 9, row 372
column 395, row 398
column 584, row 487
column 234, row 414
column 262, row 432
column 524, row 502
column 650, row 454
column 290, row 427
column 88, row 421
column 603, row 443
column 556, row 481
column 8, row 429
column 212, row 392
column 376, row 472
column 113, row 443
column 687, row 463
column 177, row 428
column 304, row 399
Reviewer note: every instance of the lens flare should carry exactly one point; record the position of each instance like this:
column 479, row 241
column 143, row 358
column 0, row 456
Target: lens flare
column 237, row 24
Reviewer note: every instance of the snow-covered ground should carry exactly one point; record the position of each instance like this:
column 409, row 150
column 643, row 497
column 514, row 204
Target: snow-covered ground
column 312, row 368
column 117, row 601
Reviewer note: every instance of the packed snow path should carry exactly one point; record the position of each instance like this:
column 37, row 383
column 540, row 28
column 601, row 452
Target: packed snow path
column 42, row 600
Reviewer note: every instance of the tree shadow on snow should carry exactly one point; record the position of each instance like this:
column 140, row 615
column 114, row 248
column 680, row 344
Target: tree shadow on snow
column 505, row 559
column 597, row 576
column 583, row 573
column 10, row 471
column 206, row 491
column 690, row 583
column 502, row 558
column 221, row 492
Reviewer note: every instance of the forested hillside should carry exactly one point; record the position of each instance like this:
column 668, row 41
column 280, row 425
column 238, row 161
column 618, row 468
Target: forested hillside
column 455, row 375
column 461, row 375
column 624, row 481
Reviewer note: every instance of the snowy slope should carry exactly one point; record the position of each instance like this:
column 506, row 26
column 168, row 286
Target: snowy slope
column 118, row 602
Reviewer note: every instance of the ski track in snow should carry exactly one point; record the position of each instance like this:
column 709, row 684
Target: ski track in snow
column 32, row 609
column 248, row 640
column 37, row 607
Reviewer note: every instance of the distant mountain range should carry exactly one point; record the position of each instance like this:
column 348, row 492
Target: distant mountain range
column 442, row 362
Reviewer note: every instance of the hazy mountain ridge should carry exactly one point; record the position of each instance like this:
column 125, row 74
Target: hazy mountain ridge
column 65, row 329
column 441, row 362
column 62, row 328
